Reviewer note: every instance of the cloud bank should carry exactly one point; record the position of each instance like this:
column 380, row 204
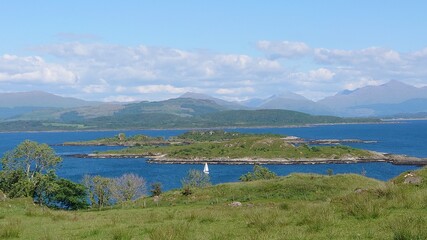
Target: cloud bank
column 97, row 71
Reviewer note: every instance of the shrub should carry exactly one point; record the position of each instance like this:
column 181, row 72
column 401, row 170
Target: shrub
column 127, row 187
column 194, row 179
column 156, row 189
column 259, row 173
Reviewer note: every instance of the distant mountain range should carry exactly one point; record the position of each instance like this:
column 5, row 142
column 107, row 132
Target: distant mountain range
column 41, row 99
column 391, row 99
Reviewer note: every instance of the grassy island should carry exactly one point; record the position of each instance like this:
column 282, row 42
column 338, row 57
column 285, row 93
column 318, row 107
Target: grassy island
column 221, row 147
column 216, row 146
column 121, row 140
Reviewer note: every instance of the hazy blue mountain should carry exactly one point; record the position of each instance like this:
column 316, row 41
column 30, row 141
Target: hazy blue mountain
column 41, row 99
column 288, row 101
column 387, row 99
column 86, row 112
column 227, row 104
column 253, row 102
column 178, row 106
column 417, row 105
column 389, row 93
column 10, row 112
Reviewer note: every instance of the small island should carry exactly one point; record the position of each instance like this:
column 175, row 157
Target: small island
column 122, row 140
column 221, row 147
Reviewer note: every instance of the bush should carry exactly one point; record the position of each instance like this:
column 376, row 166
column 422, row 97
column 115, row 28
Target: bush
column 194, row 179
column 259, row 173
column 69, row 195
column 156, row 189
column 127, row 187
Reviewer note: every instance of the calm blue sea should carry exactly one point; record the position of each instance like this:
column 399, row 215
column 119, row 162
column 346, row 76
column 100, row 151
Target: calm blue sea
column 406, row 137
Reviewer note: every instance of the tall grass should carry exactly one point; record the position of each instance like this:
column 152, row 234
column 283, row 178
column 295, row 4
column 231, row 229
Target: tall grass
column 299, row 206
column 11, row 229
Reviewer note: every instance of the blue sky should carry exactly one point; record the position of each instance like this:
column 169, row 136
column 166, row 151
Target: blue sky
column 152, row 50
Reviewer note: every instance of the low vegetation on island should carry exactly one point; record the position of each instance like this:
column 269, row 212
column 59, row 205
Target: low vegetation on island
column 221, row 147
column 121, row 140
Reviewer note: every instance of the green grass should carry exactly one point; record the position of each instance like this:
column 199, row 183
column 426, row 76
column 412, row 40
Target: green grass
column 298, row 206
column 250, row 147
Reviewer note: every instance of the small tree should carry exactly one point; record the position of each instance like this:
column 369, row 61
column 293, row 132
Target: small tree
column 29, row 170
column 68, row 195
column 258, row 173
column 128, row 187
column 194, row 179
column 98, row 190
column 31, row 157
column 121, row 136
column 156, row 189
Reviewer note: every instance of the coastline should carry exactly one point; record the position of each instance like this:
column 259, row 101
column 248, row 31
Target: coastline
column 163, row 159
column 206, row 128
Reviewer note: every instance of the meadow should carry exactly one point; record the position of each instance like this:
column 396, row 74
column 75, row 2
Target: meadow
column 298, row 206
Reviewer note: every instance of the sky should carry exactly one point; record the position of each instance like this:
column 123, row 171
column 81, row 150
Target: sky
column 234, row 50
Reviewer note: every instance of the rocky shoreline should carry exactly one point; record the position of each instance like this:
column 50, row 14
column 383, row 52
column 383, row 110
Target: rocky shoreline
column 163, row 159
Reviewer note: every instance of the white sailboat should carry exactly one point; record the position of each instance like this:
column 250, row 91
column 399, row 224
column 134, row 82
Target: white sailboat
column 206, row 169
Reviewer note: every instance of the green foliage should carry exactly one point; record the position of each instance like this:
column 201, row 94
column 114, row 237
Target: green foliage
column 259, row 173
column 31, row 158
column 29, row 171
column 156, row 189
column 209, row 136
column 121, row 136
column 99, row 190
column 68, row 195
column 104, row 191
column 121, row 140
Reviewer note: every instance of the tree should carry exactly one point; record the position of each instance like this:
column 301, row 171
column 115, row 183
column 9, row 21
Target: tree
column 27, row 170
column 31, row 158
column 194, row 179
column 68, row 195
column 128, row 187
column 98, row 190
column 156, row 189
column 121, row 136
column 259, row 173
column 44, row 187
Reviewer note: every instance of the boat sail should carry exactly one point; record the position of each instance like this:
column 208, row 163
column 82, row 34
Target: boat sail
column 206, row 168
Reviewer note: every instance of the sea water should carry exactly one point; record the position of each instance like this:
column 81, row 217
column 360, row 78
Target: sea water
column 405, row 137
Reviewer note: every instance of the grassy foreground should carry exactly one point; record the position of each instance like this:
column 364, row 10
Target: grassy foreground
column 298, row 206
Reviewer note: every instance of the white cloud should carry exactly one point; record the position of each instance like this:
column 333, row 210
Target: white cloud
column 284, row 49
column 234, row 91
column 321, row 74
column 121, row 98
column 33, row 69
column 155, row 73
column 161, row 88
column 95, row 88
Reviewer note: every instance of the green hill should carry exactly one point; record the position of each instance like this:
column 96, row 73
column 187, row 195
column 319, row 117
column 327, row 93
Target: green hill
column 172, row 113
column 298, row 206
